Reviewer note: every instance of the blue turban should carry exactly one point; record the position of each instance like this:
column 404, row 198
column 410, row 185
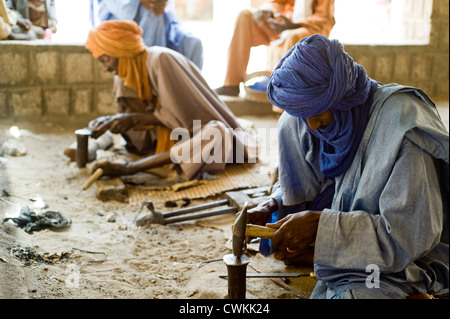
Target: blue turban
column 317, row 75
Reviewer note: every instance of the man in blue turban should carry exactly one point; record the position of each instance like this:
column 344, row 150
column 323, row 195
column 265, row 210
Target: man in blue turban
column 363, row 178
column 158, row 20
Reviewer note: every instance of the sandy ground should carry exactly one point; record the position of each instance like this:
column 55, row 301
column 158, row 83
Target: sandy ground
column 96, row 257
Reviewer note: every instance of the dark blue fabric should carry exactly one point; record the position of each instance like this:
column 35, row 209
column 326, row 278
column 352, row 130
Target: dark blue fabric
column 317, row 75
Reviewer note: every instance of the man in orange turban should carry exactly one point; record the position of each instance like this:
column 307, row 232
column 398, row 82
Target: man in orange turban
column 160, row 87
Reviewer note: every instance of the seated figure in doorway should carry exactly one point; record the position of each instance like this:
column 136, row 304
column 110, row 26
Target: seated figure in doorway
column 158, row 21
column 286, row 21
column 10, row 22
column 35, row 16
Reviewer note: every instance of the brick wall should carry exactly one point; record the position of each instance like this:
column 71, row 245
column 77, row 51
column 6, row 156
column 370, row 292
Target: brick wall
column 63, row 83
column 424, row 66
column 52, row 82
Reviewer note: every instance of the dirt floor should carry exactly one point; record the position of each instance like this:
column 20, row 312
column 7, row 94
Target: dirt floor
column 102, row 254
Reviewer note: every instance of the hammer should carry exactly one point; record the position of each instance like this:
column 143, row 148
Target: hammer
column 237, row 261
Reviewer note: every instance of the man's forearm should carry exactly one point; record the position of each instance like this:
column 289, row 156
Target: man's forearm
column 143, row 119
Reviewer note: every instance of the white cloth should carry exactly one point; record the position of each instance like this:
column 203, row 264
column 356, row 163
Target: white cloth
column 302, row 9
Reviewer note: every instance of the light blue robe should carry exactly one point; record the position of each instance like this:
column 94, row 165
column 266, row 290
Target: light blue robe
column 164, row 30
column 390, row 208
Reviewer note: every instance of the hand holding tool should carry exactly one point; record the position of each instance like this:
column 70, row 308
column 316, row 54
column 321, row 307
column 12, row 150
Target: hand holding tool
column 97, row 174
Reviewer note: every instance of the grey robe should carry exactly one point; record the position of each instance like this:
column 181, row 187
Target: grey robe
column 389, row 216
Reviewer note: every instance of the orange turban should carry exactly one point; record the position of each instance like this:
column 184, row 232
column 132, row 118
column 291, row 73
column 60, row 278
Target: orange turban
column 123, row 40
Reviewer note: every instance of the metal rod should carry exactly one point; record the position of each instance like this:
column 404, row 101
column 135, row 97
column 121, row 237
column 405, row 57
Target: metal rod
column 271, row 275
column 182, row 211
column 200, row 215
column 82, row 146
column 236, row 267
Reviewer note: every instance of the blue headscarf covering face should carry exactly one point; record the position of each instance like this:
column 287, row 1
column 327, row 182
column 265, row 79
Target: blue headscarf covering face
column 318, row 75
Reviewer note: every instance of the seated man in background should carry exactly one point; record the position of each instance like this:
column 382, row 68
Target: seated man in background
column 160, row 87
column 9, row 20
column 299, row 18
column 363, row 178
column 158, row 21
column 35, row 16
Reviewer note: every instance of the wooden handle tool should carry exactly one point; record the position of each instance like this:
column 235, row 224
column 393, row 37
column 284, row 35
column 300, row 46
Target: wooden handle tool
column 97, row 174
column 259, row 231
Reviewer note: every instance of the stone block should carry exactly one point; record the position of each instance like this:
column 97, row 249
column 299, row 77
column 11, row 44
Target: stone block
column 101, row 74
column 105, row 101
column 13, row 68
column 441, row 8
column 383, row 68
column 366, row 61
column 47, row 66
column 78, row 68
column 4, row 110
column 26, row 102
column 441, row 90
column 421, row 67
column 440, row 67
column 57, row 102
column 402, row 67
column 82, row 100
column 443, row 36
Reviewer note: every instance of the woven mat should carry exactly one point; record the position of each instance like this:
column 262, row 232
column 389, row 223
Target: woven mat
column 301, row 286
column 235, row 176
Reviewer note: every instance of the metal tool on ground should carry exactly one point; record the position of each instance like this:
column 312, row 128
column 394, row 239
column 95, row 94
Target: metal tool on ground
column 284, row 276
column 82, row 146
column 273, row 275
column 234, row 202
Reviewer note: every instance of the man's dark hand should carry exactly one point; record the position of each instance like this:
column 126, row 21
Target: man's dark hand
column 262, row 16
column 24, row 24
column 112, row 169
column 117, row 124
column 280, row 23
column 260, row 214
column 156, row 6
column 295, row 234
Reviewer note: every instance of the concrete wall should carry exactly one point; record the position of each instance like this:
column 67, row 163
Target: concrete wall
column 50, row 82
column 424, row 66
